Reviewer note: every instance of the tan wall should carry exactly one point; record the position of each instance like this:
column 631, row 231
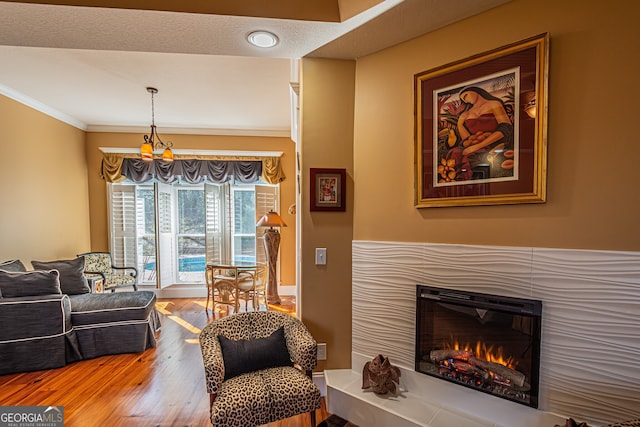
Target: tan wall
column 351, row 8
column 97, row 187
column 593, row 148
column 44, row 214
column 326, row 142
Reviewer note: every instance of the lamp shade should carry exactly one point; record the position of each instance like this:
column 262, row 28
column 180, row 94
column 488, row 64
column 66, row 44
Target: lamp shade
column 167, row 155
column 271, row 219
column 146, row 152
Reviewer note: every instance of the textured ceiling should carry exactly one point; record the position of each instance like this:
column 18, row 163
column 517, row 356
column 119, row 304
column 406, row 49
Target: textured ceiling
column 89, row 66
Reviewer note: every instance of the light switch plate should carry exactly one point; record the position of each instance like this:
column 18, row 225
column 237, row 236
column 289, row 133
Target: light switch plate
column 321, row 256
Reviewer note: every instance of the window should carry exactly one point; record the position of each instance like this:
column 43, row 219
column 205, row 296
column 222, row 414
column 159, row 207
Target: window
column 243, row 234
column 170, row 231
column 191, row 210
column 146, row 232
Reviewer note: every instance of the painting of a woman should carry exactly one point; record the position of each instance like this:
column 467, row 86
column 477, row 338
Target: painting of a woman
column 476, row 142
column 482, row 144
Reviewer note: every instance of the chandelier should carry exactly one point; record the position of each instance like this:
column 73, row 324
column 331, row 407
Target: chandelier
column 153, row 141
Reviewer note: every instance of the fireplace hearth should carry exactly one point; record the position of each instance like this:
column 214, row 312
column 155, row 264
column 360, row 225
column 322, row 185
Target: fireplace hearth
column 486, row 342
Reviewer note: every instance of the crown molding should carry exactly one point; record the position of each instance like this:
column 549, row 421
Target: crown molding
column 39, row 106
column 192, row 131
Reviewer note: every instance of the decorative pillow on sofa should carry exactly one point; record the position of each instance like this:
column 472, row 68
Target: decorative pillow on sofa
column 13, row 265
column 72, row 279
column 29, row 283
column 244, row 356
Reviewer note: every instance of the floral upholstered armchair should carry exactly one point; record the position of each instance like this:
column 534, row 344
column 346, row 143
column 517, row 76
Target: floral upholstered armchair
column 258, row 369
column 98, row 265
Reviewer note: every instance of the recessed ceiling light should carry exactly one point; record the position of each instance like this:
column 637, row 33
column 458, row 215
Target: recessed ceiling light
column 262, row 39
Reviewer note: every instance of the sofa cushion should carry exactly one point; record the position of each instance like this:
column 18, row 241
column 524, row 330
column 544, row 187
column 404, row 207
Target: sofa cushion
column 13, row 265
column 72, row 279
column 114, row 323
column 242, row 356
column 29, row 283
column 117, row 307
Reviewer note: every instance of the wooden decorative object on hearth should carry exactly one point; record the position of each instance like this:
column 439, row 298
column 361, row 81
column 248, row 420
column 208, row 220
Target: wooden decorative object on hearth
column 380, row 376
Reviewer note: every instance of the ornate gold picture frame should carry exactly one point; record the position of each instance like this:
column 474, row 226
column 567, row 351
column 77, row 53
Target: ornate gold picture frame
column 481, row 128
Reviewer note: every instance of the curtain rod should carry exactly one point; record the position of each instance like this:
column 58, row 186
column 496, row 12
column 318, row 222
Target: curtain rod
column 214, row 153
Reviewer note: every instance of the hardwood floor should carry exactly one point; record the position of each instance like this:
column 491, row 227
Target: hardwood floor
column 163, row 386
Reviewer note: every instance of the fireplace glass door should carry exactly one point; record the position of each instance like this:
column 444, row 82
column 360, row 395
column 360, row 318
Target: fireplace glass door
column 486, row 342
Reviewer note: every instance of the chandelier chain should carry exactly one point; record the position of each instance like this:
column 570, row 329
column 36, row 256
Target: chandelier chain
column 154, row 138
column 153, row 110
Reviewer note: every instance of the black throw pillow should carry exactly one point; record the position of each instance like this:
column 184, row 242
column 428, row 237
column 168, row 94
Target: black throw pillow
column 244, row 356
column 13, row 265
column 30, row 283
column 72, row 279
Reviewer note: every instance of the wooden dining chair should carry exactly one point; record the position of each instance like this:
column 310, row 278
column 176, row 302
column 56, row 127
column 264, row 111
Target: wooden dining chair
column 222, row 286
column 251, row 287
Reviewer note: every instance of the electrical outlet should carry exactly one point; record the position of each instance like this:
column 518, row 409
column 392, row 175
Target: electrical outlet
column 322, row 351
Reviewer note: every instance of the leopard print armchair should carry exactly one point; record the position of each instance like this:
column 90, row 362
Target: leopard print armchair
column 266, row 395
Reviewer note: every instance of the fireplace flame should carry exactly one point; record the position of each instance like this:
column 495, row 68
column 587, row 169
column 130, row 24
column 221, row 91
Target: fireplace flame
column 481, row 351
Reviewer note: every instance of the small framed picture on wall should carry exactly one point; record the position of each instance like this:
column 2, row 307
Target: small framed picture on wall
column 328, row 187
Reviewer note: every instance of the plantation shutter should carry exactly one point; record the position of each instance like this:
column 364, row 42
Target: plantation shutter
column 146, row 233
column 166, row 262
column 217, row 240
column 266, row 200
column 122, row 217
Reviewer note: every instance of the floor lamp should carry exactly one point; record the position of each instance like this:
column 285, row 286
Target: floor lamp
column 271, row 245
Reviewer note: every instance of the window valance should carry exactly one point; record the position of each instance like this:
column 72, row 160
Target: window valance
column 118, row 167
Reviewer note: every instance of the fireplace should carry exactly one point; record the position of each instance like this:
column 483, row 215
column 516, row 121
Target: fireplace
column 486, row 342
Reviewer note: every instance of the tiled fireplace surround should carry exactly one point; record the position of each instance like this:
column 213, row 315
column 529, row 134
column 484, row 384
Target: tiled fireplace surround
column 590, row 349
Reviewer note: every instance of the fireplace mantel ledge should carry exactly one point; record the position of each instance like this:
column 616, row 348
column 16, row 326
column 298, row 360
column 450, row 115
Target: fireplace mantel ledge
column 424, row 401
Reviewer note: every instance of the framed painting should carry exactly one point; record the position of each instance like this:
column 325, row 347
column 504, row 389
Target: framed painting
column 481, row 128
column 328, row 187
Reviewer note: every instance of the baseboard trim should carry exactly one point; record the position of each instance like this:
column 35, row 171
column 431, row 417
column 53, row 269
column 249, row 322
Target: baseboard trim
column 318, row 380
column 199, row 291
